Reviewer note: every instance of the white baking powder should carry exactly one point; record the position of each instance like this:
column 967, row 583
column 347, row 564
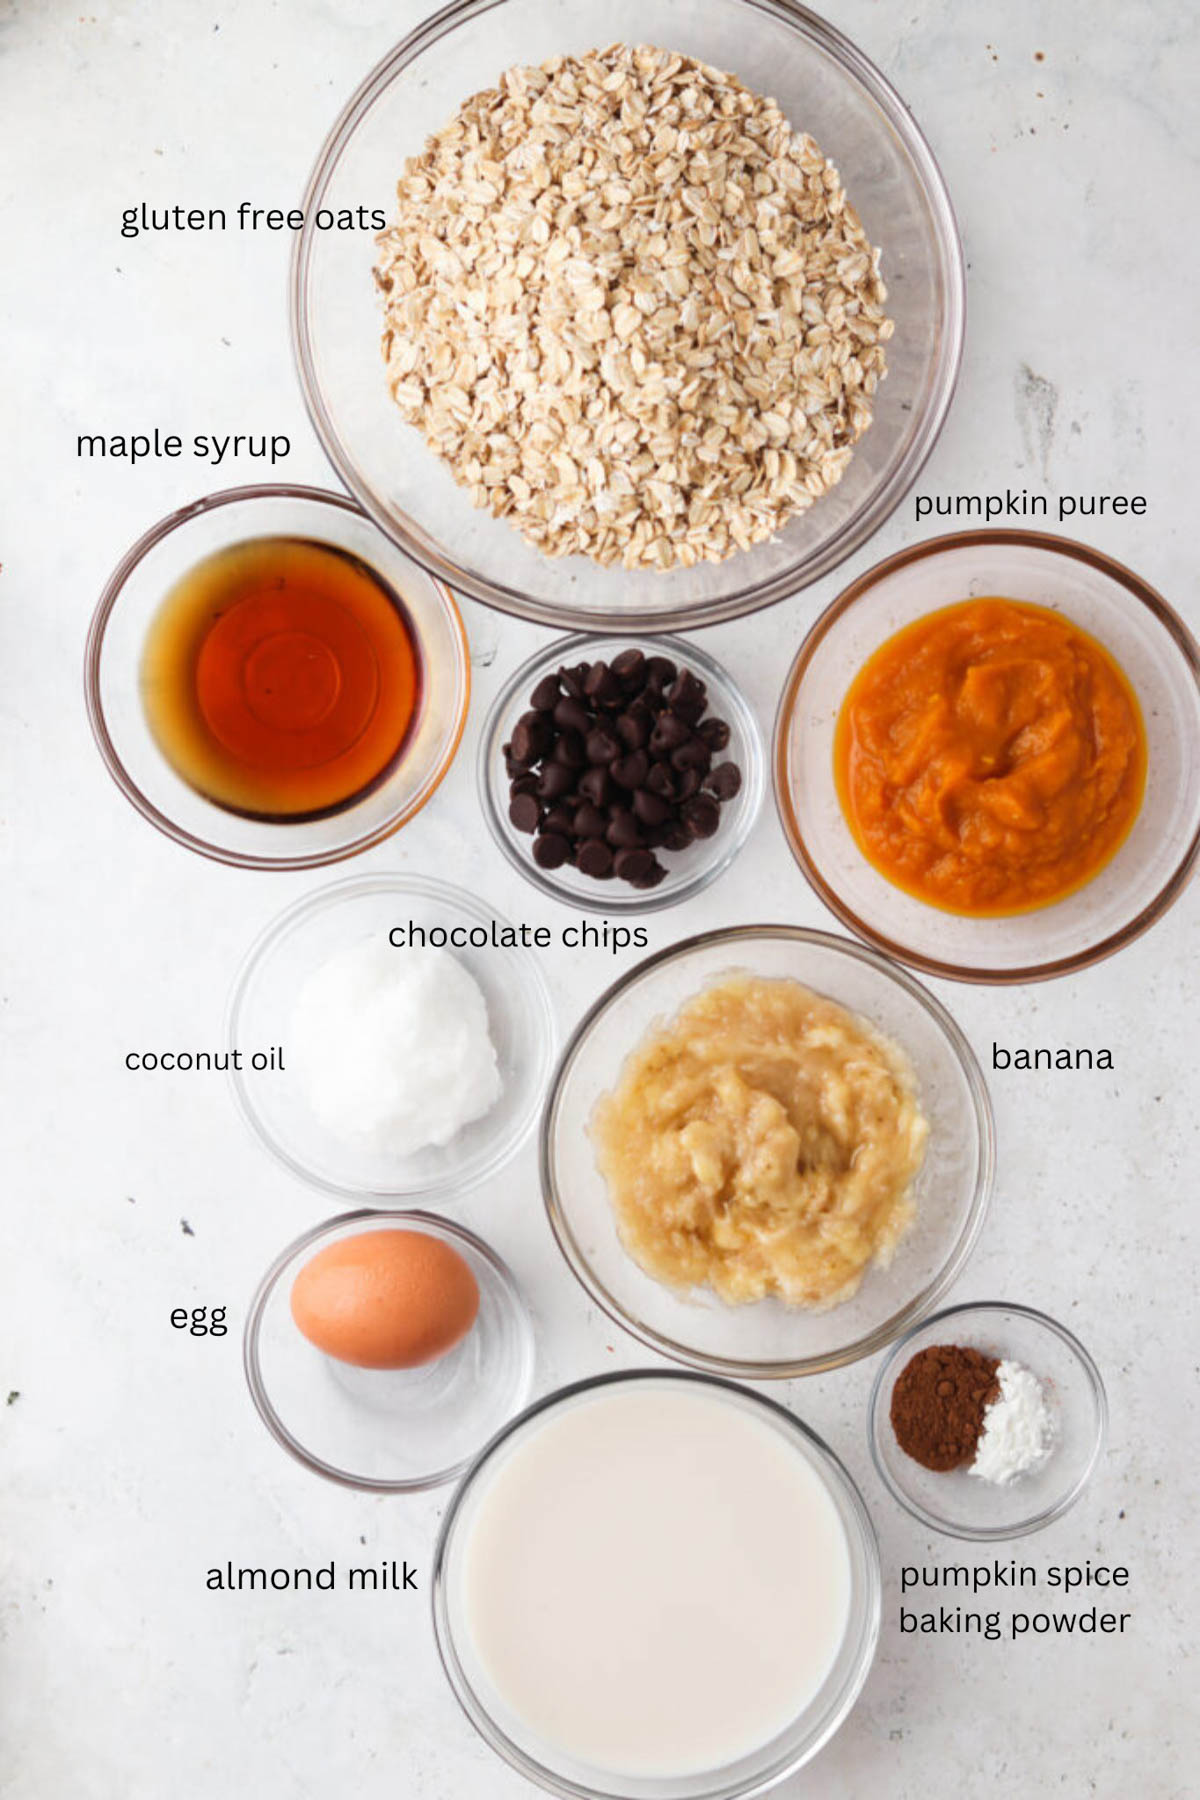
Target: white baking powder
column 1018, row 1430
column 393, row 1047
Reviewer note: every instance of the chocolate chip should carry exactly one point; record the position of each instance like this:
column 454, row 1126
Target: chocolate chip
column 595, row 859
column 649, row 808
column 550, row 851
column 724, row 781
column 695, row 754
column 660, row 671
column 661, row 781
column 569, row 750
column 687, row 697
column 629, row 667
column 571, row 714
column 631, row 771
column 715, row 733
column 668, row 735
column 532, row 737
column 555, row 781
column 602, row 745
column 634, row 728
column 654, row 874
column 602, row 687
column 622, row 831
column 632, row 865
column 561, row 820
column 689, row 783
column 676, row 836
column 524, row 784
column 524, row 812
column 546, row 694
column 702, row 816
column 596, row 786
column 573, row 679
column 590, row 821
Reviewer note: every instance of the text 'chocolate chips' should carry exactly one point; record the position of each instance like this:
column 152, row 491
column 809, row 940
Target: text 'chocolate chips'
column 612, row 762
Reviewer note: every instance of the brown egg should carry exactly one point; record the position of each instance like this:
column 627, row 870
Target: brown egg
column 385, row 1299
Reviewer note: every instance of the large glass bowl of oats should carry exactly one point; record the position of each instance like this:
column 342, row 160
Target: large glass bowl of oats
column 665, row 315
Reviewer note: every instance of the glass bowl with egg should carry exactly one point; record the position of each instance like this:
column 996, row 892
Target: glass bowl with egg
column 826, row 87
column 271, row 682
column 686, row 868
column 383, row 1349
column 656, row 1586
column 767, row 1151
column 963, row 1502
column 416, row 1038
column 1019, row 738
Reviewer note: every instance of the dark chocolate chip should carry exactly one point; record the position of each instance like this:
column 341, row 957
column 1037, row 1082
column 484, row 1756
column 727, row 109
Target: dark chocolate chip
column 590, row 821
column 695, row 754
column 622, row 832
column 686, row 697
column 595, row 859
column 555, row 780
column 524, row 784
column 572, row 679
column 634, row 728
column 545, row 695
column 661, row 781
column 631, row 771
column 689, row 783
column 676, row 836
column 630, row 667
column 571, row 714
column 533, row 736
column 668, row 735
column 724, row 781
column 550, row 851
column 654, row 874
column 702, row 816
column 632, row 865
column 596, row 785
column 649, row 808
column 561, row 820
column 602, row 745
column 524, row 812
column 660, row 671
column 715, row 733
column 569, row 750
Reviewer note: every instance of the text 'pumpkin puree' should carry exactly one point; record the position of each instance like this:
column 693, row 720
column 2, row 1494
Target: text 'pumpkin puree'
column 990, row 758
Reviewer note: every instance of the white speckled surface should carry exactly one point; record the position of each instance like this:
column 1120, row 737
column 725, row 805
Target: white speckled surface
column 132, row 1460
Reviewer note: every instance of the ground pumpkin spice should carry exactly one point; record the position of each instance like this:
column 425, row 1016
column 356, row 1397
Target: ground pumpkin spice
column 938, row 1404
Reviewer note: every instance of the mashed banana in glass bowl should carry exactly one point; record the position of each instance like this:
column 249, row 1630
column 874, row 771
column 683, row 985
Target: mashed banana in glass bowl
column 764, row 1141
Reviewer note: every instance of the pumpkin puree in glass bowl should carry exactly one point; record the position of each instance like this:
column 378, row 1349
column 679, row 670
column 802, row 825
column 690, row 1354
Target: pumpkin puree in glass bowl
column 990, row 757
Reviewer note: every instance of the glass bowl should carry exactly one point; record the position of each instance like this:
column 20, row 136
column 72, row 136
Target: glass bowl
column 768, row 1339
column 825, row 86
column 963, row 1505
column 751, row 1774
column 688, row 871
column 129, row 603
column 392, row 1431
column 520, row 1021
column 1156, row 652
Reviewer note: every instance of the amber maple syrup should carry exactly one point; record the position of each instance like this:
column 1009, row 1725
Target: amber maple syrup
column 281, row 678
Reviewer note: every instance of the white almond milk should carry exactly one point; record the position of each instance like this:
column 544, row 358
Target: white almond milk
column 655, row 1581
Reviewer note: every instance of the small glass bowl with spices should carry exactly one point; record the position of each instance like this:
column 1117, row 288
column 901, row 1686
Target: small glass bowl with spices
column 987, row 1420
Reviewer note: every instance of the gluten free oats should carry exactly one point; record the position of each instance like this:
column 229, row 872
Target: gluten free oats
column 631, row 309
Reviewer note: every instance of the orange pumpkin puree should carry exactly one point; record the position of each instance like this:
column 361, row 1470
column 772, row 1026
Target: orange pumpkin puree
column 990, row 758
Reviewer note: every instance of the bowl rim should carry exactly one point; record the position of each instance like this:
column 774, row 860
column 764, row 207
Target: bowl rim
column 685, row 615
column 990, row 1533
column 464, row 1693
column 913, row 1312
column 320, row 899
column 371, row 1218
column 604, row 900
column 94, row 649
column 1138, row 590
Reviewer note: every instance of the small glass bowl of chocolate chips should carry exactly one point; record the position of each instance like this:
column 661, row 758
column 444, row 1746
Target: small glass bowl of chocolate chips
column 621, row 774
